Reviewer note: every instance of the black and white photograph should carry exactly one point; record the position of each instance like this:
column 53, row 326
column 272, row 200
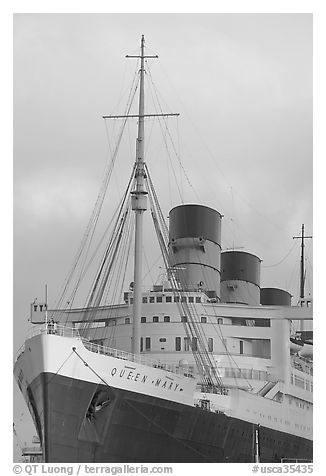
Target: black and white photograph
column 163, row 238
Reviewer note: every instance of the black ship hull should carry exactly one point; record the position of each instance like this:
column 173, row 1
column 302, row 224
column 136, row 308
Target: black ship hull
column 80, row 421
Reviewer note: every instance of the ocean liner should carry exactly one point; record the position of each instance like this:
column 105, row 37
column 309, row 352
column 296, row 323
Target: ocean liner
column 202, row 367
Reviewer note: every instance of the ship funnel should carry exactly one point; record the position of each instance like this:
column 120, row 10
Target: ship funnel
column 195, row 249
column 275, row 297
column 240, row 278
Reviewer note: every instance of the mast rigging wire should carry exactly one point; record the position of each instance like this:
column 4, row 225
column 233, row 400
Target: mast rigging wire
column 283, row 259
column 194, row 331
column 90, row 229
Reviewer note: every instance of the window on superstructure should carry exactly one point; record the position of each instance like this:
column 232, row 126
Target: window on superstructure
column 203, row 319
column 176, row 298
column 186, row 343
column 148, row 343
column 168, row 299
column 198, row 299
column 143, row 319
column 127, row 320
column 131, row 300
column 298, row 381
column 210, row 344
column 183, row 299
column 144, row 300
column 191, row 299
column 141, row 345
column 194, row 343
column 159, row 299
column 155, row 318
column 166, row 318
column 241, row 346
column 219, row 320
column 178, row 343
column 152, row 299
column 183, row 318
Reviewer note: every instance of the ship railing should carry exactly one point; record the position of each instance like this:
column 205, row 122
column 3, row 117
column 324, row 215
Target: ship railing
column 59, row 330
column 216, row 389
column 302, row 364
column 55, row 329
column 64, row 331
column 32, row 450
column 120, row 354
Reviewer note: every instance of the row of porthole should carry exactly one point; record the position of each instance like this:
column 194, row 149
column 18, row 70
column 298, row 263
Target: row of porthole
column 169, row 299
column 285, row 421
column 189, row 344
column 156, row 319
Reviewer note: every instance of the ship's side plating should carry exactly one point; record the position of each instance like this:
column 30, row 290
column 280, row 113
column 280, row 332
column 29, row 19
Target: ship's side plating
column 126, row 412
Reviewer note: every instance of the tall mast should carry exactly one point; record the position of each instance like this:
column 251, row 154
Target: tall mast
column 139, row 194
column 302, row 268
column 139, row 206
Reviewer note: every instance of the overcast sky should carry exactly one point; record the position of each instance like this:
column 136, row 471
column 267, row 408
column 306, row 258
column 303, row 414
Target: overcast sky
column 242, row 84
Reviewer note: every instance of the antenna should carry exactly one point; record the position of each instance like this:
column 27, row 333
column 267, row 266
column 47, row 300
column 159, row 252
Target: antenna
column 302, row 268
